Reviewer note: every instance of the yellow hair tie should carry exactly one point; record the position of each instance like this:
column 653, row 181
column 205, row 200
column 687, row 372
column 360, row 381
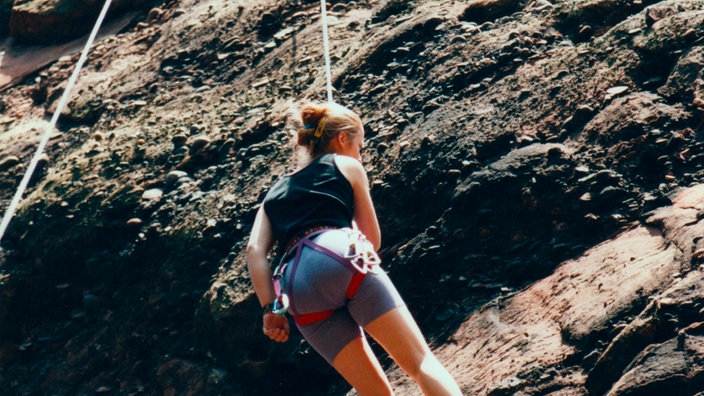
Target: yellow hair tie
column 320, row 128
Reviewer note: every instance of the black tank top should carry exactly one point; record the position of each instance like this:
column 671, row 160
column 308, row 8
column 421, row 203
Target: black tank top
column 317, row 195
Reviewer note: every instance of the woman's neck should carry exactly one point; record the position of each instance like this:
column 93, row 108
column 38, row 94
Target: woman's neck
column 306, row 159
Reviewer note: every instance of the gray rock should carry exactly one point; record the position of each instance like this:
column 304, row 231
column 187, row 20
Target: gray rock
column 153, row 194
column 173, row 177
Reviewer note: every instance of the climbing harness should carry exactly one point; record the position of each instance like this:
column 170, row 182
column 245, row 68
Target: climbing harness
column 10, row 212
column 361, row 259
column 326, row 47
column 362, row 255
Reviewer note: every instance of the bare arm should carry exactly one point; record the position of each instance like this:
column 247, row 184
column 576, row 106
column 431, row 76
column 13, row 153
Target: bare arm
column 364, row 213
column 260, row 243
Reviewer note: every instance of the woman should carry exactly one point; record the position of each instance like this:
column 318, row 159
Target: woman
column 328, row 279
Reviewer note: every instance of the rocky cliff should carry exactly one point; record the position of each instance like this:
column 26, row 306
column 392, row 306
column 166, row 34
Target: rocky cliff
column 43, row 22
column 536, row 167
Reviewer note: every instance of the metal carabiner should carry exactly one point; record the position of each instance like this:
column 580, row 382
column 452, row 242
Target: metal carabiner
column 280, row 304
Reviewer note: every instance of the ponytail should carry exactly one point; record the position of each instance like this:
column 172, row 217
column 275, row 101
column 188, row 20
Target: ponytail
column 312, row 134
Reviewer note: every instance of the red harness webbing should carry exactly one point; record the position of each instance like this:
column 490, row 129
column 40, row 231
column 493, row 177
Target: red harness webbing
column 352, row 287
column 314, row 317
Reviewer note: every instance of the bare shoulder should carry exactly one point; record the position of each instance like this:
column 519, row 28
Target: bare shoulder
column 345, row 162
column 351, row 168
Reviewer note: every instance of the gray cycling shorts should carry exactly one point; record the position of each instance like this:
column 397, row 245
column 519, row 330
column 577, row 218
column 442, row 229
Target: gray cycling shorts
column 320, row 283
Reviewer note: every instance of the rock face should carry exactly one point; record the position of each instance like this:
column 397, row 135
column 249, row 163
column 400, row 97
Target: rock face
column 641, row 292
column 44, row 22
column 54, row 21
column 536, row 167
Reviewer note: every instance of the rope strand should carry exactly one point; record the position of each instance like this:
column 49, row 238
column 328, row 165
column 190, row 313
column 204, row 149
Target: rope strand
column 326, row 46
column 10, row 212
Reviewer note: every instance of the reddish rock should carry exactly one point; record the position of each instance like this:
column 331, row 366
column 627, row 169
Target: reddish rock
column 685, row 81
column 514, row 344
column 46, row 22
column 672, row 368
column 54, row 21
column 654, row 14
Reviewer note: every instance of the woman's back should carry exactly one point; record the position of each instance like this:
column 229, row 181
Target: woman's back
column 317, row 195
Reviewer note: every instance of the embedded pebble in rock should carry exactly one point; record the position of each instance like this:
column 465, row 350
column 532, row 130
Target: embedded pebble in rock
column 179, row 140
column 153, row 194
column 199, row 144
column 9, row 162
column 173, row 177
column 615, row 91
column 154, row 15
column 43, row 161
column 135, row 222
column 654, row 14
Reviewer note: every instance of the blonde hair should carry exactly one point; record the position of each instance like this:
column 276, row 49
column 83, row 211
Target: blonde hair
column 320, row 123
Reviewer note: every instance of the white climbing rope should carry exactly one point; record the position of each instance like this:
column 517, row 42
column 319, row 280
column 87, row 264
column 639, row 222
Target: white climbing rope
column 326, row 46
column 10, row 212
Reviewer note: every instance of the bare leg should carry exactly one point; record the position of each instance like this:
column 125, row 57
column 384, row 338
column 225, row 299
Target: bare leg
column 397, row 332
column 358, row 365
